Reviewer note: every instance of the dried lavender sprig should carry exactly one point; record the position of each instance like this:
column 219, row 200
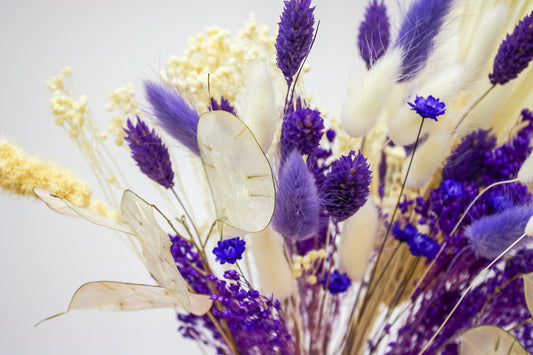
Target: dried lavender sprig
column 515, row 52
column 295, row 36
column 149, row 152
column 374, row 33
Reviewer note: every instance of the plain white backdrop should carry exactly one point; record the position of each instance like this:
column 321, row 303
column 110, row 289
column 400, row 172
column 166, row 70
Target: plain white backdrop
column 45, row 257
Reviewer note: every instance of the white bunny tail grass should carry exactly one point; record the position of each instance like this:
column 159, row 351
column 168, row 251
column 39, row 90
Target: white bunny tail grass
column 529, row 227
column 525, row 174
column 258, row 102
column 427, row 159
column 359, row 234
column 367, row 95
column 274, row 273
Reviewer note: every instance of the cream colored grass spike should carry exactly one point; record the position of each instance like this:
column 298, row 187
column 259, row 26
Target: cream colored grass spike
column 489, row 340
column 528, row 291
column 60, row 205
column 238, row 172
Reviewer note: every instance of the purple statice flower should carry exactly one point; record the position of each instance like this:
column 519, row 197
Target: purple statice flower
column 491, row 235
column 345, row 188
column 173, row 114
column 229, row 250
column 421, row 24
column 515, row 52
column 374, row 33
column 301, row 130
column 330, row 135
column 466, row 162
column 404, row 234
column 255, row 321
column 337, row 283
column 297, row 205
column 224, row 105
column 149, row 152
column 422, row 245
column 429, row 107
column 295, row 36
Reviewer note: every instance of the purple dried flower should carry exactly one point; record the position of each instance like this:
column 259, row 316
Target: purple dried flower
column 149, row 152
column 374, row 33
column 330, row 135
column 173, row 114
column 429, row 107
column 338, row 283
column 422, row 245
column 346, row 187
column 297, row 206
column 491, row 235
column 229, row 250
column 515, row 52
column 224, row 105
column 301, row 130
column 406, row 234
column 419, row 27
column 295, row 36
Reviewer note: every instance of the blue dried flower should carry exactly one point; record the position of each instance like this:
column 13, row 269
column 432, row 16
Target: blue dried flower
column 224, row 105
column 422, row 245
column 429, row 107
column 338, row 283
column 149, row 152
column 295, row 36
column 515, row 53
column 406, row 234
column 229, row 250
column 374, row 33
column 345, row 188
column 173, row 114
column 297, row 205
column 301, row 130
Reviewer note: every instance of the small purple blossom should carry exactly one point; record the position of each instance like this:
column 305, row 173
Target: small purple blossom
column 229, row 250
column 429, row 107
column 295, row 36
column 374, row 33
column 515, row 52
column 301, row 130
column 406, row 234
column 422, row 245
column 337, row 283
column 149, row 152
column 224, row 105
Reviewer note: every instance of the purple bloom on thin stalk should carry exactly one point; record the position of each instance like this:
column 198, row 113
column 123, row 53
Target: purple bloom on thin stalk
column 515, row 53
column 173, row 114
column 295, row 36
column 297, row 205
column 229, row 250
column 429, row 107
column 149, row 152
column 374, row 33
column 337, row 283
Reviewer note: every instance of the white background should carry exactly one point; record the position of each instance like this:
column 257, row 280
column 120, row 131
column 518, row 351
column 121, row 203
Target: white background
column 45, row 257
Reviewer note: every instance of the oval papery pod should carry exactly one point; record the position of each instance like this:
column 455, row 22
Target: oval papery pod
column 489, row 340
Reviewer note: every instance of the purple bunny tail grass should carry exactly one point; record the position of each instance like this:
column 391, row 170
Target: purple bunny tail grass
column 295, row 36
column 297, row 206
column 149, row 152
column 173, row 114
column 491, row 235
column 515, row 53
column 421, row 24
column 374, row 33
column 224, row 105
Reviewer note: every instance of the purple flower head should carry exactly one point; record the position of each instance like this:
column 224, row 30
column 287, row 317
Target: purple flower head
column 515, row 53
column 297, row 205
column 422, row 245
column 149, row 152
column 374, row 33
column 338, row 283
column 491, row 235
column 229, row 250
column 452, row 188
column 429, row 107
column 331, row 134
column 346, row 187
column 224, row 105
column 295, row 36
column 406, row 234
column 301, row 130
column 417, row 31
column 173, row 114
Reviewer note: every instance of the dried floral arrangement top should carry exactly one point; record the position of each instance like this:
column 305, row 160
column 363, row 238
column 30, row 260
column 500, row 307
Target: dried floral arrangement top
column 403, row 227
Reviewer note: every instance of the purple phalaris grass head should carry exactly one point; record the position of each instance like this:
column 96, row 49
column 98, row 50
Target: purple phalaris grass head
column 515, row 53
column 345, row 188
column 420, row 25
column 295, row 36
column 297, row 209
column 491, row 235
column 302, row 130
column 173, row 114
column 224, row 105
column 149, row 152
column 374, row 33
